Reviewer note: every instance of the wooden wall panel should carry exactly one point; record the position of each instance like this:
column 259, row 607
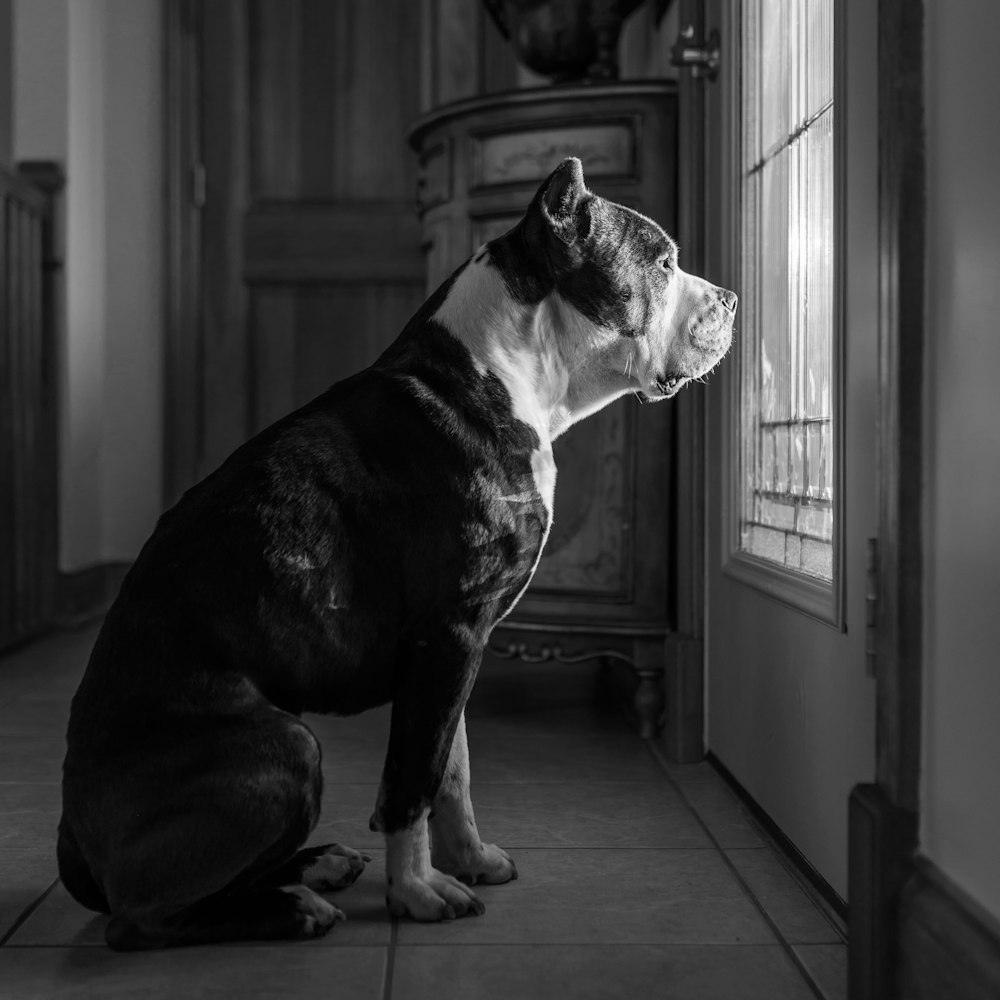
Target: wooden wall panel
column 310, row 245
column 308, row 337
column 27, row 415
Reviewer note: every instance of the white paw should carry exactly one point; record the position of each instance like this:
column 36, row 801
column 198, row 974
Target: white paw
column 434, row 897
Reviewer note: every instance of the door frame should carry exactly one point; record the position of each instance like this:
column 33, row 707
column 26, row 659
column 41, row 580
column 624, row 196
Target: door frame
column 182, row 417
column 883, row 815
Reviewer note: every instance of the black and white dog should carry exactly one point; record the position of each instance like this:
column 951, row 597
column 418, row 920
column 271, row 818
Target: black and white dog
column 359, row 552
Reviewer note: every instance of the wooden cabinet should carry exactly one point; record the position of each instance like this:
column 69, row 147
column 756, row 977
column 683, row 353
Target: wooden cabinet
column 603, row 586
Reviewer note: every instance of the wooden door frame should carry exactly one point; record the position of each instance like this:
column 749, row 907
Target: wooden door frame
column 183, row 416
column 884, row 814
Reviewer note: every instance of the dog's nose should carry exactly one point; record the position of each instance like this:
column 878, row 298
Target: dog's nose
column 728, row 299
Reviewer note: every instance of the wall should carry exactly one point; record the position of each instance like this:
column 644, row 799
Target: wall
column 87, row 92
column 6, row 81
column 960, row 814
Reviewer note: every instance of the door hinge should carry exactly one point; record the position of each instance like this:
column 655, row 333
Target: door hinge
column 198, row 185
column 702, row 58
column 871, row 607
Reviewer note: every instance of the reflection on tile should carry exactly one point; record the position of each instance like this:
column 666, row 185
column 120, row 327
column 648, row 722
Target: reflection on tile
column 24, row 876
column 607, row 896
column 585, row 814
column 29, row 814
column 346, row 810
column 827, row 964
column 61, row 921
column 30, row 759
column 796, row 916
column 57, row 661
column 718, row 808
column 597, row 972
column 498, row 755
column 290, row 970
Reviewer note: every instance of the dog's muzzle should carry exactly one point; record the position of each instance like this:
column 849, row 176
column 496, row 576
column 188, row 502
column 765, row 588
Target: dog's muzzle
column 711, row 327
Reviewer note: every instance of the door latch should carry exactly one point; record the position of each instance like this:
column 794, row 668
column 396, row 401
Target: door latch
column 871, row 607
column 702, row 58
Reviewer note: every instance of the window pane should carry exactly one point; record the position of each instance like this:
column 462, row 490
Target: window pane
column 786, row 390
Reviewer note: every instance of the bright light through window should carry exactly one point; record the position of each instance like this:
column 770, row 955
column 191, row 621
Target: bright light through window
column 787, row 257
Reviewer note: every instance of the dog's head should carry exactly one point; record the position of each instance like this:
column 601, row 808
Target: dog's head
column 617, row 270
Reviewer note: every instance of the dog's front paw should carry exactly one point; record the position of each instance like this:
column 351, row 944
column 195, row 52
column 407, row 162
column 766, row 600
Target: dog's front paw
column 435, row 897
column 488, row 864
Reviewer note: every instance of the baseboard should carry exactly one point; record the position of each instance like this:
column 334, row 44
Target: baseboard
column 881, row 844
column 949, row 947
column 87, row 593
column 803, row 866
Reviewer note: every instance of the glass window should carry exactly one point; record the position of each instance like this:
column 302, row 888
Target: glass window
column 786, row 391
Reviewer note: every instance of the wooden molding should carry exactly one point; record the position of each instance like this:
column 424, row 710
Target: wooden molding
column 880, row 844
column 900, row 398
column 183, row 416
column 948, row 946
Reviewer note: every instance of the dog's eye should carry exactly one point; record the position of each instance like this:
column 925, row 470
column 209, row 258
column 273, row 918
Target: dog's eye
column 667, row 264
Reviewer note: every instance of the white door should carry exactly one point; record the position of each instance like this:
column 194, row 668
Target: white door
column 790, row 708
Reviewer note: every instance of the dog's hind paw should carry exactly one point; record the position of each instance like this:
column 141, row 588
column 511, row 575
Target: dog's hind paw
column 336, row 868
column 314, row 916
column 436, row 897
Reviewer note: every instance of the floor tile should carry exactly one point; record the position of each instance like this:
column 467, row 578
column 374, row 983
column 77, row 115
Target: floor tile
column 61, row 921
column 716, row 805
column 583, row 813
column 25, row 875
column 30, row 759
column 58, row 659
column 299, row 969
column 827, row 964
column 604, row 897
column 793, row 912
column 596, row 972
column 29, row 813
column 346, row 810
column 503, row 756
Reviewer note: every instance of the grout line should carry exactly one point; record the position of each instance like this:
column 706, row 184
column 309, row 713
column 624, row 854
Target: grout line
column 19, row 923
column 390, row 960
column 748, row 891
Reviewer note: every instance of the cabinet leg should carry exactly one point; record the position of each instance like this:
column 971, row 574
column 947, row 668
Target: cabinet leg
column 648, row 702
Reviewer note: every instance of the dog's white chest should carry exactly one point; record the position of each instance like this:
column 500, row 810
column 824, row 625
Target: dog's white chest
column 543, row 468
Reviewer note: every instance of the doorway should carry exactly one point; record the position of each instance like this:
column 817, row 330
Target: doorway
column 792, row 489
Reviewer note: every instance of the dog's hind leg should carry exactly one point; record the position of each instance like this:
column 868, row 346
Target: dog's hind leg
column 201, row 848
column 266, row 913
column 75, row 873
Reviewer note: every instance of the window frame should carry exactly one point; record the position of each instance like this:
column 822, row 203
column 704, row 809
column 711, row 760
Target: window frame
column 818, row 599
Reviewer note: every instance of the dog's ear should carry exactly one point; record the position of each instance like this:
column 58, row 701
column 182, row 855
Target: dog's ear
column 560, row 201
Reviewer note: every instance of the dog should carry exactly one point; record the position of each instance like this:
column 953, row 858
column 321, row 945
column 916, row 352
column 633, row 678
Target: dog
column 359, row 552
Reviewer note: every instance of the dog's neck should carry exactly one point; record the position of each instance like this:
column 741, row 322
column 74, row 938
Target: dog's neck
column 557, row 366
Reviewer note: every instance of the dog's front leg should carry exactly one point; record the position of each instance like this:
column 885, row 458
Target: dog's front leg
column 456, row 847
column 427, row 705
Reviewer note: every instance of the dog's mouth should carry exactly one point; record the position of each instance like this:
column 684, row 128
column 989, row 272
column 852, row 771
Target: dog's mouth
column 665, row 386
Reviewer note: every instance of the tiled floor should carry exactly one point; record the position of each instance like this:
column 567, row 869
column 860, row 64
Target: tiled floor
column 637, row 880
